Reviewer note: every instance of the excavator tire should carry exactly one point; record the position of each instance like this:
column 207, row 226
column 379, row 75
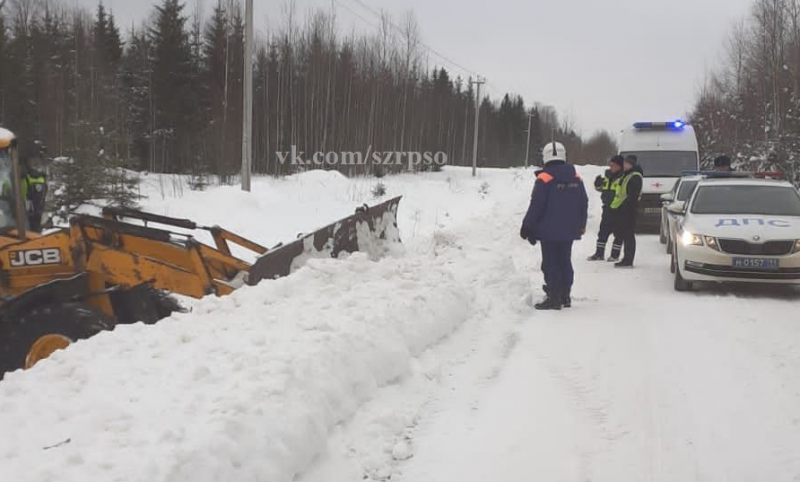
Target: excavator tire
column 143, row 304
column 33, row 336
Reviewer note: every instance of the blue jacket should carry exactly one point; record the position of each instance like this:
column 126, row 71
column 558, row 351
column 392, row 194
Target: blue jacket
column 559, row 205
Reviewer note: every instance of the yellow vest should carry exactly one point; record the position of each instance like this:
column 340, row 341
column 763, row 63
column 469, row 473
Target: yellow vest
column 622, row 189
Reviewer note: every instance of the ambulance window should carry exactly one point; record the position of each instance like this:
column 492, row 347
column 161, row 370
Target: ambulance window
column 665, row 163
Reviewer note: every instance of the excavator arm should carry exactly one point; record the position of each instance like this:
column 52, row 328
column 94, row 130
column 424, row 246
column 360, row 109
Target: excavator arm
column 119, row 268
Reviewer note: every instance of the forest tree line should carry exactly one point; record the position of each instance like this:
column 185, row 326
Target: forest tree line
column 166, row 96
column 749, row 108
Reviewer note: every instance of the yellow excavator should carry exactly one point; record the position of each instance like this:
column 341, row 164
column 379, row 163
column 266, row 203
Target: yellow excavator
column 122, row 266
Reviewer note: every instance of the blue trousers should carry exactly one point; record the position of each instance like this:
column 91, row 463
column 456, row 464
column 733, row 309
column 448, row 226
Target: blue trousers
column 557, row 266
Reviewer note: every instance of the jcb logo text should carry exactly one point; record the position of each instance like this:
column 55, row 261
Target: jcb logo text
column 35, row 257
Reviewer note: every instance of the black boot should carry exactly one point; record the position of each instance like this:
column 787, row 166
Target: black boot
column 551, row 303
column 568, row 300
column 624, row 264
column 596, row 257
column 616, row 252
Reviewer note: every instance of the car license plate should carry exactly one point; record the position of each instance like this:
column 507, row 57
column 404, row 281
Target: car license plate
column 756, row 263
column 652, row 210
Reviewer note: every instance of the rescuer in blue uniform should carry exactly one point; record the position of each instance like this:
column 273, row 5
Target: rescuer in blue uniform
column 557, row 218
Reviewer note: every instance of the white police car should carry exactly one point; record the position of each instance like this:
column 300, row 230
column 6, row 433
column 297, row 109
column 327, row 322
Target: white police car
column 674, row 203
column 738, row 230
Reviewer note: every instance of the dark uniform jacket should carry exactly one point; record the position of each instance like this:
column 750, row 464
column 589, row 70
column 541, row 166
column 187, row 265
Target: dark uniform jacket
column 559, row 205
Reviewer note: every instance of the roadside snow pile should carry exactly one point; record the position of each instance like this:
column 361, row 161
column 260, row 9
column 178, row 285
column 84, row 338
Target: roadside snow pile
column 279, row 209
column 259, row 386
column 246, row 388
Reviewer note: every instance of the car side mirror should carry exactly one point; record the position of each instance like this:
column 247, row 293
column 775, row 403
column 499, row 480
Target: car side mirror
column 667, row 198
column 678, row 207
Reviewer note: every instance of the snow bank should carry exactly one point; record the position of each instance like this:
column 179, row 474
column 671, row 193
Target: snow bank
column 246, row 388
column 250, row 387
column 279, row 209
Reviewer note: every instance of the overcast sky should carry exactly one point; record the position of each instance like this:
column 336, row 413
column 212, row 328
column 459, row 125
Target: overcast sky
column 604, row 63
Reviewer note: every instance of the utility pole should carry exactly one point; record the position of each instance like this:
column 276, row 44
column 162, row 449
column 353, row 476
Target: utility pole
column 247, row 124
column 528, row 145
column 479, row 83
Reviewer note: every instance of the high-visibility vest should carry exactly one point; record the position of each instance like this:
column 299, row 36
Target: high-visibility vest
column 34, row 189
column 622, row 189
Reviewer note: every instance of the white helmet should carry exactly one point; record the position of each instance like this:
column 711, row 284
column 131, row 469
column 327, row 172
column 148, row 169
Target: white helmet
column 554, row 151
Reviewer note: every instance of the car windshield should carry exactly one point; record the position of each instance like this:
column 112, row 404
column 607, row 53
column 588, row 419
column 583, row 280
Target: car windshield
column 760, row 200
column 686, row 190
column 665, row 163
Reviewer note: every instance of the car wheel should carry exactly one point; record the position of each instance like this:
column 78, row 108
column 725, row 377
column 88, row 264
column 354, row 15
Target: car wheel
column 681, row 284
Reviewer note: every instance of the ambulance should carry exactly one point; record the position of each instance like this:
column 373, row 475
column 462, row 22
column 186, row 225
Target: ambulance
column 665, row 150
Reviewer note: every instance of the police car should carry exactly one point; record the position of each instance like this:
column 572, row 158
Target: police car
column 738, row 230
column 673, row 206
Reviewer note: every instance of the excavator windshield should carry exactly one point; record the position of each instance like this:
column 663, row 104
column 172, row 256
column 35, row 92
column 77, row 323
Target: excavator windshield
column 7, row 194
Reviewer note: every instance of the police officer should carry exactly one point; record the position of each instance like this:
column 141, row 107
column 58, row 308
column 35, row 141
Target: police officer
column 723, row 164
column 607, row 185
column 34, row 191
column 624, row 208
column 556, row 218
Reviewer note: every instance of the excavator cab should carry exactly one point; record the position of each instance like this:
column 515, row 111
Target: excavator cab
column 12, row 212
column 6, row 211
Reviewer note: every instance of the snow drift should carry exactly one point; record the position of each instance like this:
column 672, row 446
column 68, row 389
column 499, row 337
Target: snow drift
column 246, row 388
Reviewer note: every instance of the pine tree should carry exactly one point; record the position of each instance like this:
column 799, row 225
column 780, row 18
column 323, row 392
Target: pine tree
column 174, row 112
column 215, row 49
column 136, row 83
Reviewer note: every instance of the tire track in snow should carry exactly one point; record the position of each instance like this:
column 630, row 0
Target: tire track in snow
column 640, row 384
column 460, row 367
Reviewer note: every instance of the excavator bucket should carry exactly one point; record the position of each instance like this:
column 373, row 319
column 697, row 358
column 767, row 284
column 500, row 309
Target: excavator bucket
column 370, row 230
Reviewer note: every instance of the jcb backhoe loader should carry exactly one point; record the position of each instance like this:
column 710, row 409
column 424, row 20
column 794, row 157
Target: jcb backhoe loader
column 74, row 282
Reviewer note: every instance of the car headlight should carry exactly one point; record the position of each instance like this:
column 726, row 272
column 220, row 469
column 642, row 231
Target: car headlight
column 690, row 239
column 711, row 242
column 797, row 246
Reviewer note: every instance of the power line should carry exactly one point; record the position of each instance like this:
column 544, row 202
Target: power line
column 400, row 30
column 357, row 14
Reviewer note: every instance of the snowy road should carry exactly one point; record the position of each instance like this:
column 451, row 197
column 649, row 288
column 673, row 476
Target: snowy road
column 636, row 383
column 428, row 367
column 645, row 386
